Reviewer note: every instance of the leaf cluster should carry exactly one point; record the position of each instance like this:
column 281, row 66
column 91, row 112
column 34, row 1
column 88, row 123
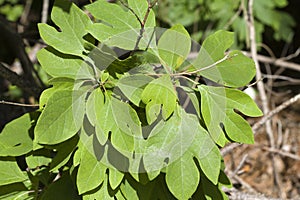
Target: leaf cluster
column 112, row 128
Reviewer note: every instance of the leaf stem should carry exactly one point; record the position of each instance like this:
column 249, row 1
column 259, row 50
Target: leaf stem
column 18, row 104
column 209, row 66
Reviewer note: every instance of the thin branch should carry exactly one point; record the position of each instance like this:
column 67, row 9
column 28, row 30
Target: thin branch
column 44, row 13
column 268, row 116
column 285, row 154
column 241, row 164
column 132, row 11
column 260, row 85
column 280, row 62
column 291, row 56
column 19, row 104
column 142, row 30
column 207, row 67
column 19, row 81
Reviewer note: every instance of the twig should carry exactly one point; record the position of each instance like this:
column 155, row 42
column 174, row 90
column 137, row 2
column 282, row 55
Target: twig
column 285, row 154
column 44, row 13
column 241, row 164
column 286, row 78
column 235, row 16
column 18, row 104
column 19, row 81
column 207, row 67
column 132, row 11
column 291, row 56
column 260, row 85
column 280, row 62
column 264, row 119
column 142, row 30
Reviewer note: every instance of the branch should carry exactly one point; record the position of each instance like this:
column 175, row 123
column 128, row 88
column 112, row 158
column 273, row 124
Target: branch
column 268, row 116
column 18, row 104
column 15, row 45
column 280, row 62
column 19, row 81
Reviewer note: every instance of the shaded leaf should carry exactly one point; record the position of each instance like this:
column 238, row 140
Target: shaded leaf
column 218, row 108
column 91, row 172
column 159, row 92
column 174, row 46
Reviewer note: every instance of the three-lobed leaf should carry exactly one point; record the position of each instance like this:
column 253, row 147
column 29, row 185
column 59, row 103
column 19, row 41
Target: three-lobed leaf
column 159, row 95
column 72, row 22
column 218, row 107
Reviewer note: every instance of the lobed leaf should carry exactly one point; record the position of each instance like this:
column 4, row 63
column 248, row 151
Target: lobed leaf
column 159, row 92
column 72, row 22
column 218, row 108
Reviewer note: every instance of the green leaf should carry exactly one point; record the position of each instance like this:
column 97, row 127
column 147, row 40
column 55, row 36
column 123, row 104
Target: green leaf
column 183, row 177
column 72, row 22
column 206, row 152
column 168, row 141
column 58, row 84
column 94, row 104
column 58, row 64
column 16, row 190
column 174, row 46
column 139, row 7
column 91, row 172
column 64, row 152
column 132, row 86
column 105, row 121
column 235, row 71
column 15, row 139
column 41, row 157
column 218, row 104
column 126, row 118
column 127, row 124
column 122, row 29
column 61, row 118
column 10, row 172
column 115, row 178
column 159, row 92
column 128, row 191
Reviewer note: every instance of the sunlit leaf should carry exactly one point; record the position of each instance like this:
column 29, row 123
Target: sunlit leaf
column 15, row 139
